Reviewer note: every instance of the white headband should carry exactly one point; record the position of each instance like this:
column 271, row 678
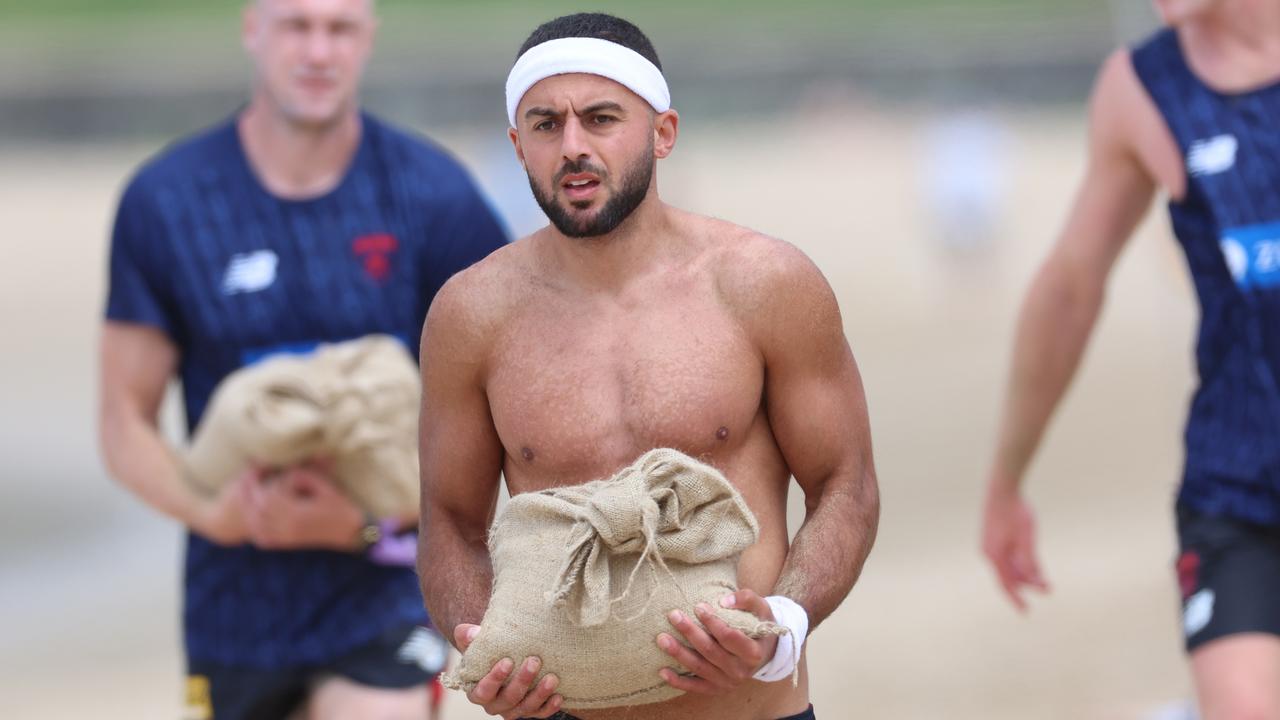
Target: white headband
column 594, row 57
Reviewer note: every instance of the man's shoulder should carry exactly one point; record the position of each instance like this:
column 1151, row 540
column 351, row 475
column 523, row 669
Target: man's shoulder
column 476, row 301
column 744, row 245
column 185, row 156
column 175, row 166
column 1117, row 75
column 1123, row 114
column 773, row 289
column 1129, row 68
column 752, row 268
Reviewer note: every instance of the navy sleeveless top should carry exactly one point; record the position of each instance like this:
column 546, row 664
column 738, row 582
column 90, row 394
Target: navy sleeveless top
column 1229, row 226
column 231, row 274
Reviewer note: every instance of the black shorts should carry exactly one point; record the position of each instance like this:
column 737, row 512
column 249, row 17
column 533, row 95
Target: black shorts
column 403, row 657
column 806, row 715
column 1229, row 575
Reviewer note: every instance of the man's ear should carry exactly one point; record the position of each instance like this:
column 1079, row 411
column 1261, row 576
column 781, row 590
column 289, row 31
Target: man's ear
column 666, row 127
column 248, row 26
column 515, row 142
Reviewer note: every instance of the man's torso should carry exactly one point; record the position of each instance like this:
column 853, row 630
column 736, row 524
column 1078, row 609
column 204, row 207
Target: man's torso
column 581, row 383
column 1223, row 152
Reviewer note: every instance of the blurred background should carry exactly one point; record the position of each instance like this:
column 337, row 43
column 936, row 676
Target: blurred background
column 923, row 152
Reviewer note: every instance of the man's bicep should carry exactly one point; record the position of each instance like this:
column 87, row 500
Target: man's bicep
column 460, row 452
column 136, row 363
column 814, row 392
column 461, row 458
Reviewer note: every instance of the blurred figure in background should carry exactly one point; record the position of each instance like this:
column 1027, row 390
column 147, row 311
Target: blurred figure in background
column 1194, row 111
column 298, row 221
column 965, row 173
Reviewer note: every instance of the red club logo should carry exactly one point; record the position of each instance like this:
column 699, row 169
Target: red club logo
column 1188, row 572
column 375, row 253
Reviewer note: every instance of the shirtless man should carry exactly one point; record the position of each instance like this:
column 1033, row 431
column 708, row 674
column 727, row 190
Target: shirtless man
column 1194, row 111
column 625, row 325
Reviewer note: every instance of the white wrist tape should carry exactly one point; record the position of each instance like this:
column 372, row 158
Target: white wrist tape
column 592, row 56
column 788, row 614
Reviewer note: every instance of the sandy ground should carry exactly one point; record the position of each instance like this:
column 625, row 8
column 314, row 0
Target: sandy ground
column 89, row 605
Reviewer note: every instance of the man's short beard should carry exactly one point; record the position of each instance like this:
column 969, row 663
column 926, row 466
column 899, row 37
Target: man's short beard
column 631, row 192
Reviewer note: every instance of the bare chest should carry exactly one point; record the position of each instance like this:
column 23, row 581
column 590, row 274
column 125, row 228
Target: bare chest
column 578, row 390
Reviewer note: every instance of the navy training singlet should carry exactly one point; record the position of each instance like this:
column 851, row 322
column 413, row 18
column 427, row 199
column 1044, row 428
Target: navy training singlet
column 230, row 273
column 1229, row 226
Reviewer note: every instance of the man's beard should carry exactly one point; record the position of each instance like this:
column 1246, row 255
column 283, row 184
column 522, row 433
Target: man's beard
column 631, row 192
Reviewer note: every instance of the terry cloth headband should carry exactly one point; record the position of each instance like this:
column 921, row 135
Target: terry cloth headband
column 592, row 56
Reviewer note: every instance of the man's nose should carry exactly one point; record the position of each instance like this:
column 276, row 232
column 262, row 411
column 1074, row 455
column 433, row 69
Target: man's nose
column 574, row 143
column 319, row 47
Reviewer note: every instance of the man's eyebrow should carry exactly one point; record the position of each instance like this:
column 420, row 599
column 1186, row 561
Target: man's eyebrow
column 602, row 105
column 593, row 108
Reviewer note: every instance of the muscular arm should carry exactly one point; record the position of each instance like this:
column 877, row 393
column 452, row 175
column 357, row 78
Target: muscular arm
column 461, row 461
column 818, row 414
column 1060, row 309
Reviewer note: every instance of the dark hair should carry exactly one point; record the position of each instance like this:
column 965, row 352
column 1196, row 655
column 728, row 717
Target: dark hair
column 593, row 25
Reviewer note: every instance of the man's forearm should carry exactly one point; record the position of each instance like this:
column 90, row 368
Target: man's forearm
column 1053, row 330
column 140, row 460
column 456, row 575
column 831, row 546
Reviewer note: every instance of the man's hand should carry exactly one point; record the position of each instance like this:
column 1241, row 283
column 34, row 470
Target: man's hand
column 515, row 700
column 1009, row 542
column 300, row 508
column 722, row 658
column 221, row 518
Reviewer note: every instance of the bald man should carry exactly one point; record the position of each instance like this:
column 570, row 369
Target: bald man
column 300, row 220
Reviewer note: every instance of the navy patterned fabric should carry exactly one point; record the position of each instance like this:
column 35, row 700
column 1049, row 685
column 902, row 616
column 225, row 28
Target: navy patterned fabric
column 1229, row 226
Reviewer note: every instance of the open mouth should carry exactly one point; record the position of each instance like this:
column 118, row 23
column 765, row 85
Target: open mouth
column 579, row 186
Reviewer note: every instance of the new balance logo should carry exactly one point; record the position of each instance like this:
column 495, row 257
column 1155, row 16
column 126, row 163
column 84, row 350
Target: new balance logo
column 424, row 648
column 250, row 272
column 1212, row 155
column 1198, row 612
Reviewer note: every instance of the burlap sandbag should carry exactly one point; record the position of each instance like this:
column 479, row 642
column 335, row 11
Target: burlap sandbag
column 354, row 402
column 584, row 577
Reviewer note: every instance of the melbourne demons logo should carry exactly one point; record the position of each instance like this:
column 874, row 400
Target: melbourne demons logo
column 375, row 253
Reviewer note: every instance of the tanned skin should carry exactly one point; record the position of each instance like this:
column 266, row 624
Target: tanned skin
column 559, row 360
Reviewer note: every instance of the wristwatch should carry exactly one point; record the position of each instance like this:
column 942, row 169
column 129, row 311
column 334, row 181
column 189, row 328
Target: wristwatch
column 370, row 533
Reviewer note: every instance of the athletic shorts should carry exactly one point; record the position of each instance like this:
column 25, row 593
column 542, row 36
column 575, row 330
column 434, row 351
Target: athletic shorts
column 806, row 715
column 1229, row 575
column 403, row 657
